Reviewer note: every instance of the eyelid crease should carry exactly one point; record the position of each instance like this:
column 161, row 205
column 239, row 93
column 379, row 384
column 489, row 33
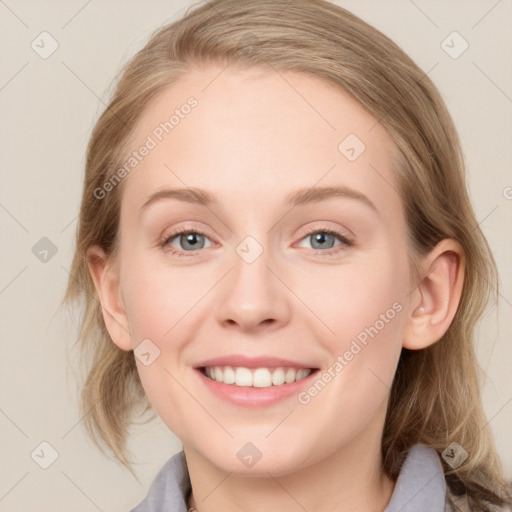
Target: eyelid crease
column 332, row 231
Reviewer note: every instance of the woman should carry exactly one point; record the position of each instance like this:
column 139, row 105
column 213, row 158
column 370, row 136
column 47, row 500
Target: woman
column 296, row 376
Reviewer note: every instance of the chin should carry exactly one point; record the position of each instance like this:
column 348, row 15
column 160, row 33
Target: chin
column 256, row 459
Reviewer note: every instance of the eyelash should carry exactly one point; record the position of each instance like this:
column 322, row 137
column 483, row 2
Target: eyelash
column 187, row 254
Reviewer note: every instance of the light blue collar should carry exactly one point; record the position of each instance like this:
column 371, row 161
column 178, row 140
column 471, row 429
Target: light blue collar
column 421, row 485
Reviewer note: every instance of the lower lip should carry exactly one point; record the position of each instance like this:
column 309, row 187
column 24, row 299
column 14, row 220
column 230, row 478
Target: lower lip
column 249, row 396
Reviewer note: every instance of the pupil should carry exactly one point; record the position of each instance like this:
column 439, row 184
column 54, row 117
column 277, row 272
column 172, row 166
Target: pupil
column 320, row 238
column 191, row 240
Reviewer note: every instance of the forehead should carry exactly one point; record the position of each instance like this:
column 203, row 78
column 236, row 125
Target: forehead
column 256, row 134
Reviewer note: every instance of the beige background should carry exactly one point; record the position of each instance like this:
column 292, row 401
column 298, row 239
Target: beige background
column 48, row 107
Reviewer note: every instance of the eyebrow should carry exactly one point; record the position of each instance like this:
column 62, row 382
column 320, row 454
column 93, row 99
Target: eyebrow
column 188, row 195
column 297, row 197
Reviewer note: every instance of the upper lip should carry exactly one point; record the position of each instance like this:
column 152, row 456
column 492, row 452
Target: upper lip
column 252, row 362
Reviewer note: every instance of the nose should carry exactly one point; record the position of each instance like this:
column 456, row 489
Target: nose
column 254, row 296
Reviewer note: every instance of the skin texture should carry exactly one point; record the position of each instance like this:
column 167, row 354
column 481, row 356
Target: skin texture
column 254, row 137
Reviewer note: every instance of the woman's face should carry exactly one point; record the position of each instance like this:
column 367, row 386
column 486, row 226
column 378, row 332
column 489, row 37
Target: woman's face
column 264, row 276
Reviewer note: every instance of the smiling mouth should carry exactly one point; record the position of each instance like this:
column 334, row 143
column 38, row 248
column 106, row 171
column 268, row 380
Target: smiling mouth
column 255, row 377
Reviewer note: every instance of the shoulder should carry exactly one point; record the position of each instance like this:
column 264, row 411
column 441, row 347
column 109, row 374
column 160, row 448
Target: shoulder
column 169, row 489
column 422, row 485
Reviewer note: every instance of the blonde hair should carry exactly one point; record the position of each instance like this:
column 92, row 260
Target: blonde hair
column 435, row 395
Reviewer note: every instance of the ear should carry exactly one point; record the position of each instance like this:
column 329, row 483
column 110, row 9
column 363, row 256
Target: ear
column 437, row 296
column 105, row 275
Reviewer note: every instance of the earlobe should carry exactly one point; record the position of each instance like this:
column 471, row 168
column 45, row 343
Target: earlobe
column 106, row 282
column 438, row 295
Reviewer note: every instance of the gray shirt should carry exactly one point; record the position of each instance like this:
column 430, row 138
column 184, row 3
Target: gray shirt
column 420, row 487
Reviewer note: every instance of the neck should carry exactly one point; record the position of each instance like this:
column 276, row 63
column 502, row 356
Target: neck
column 350, row 479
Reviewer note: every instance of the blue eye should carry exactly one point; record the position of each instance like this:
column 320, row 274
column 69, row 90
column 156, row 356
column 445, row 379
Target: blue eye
column 189, row 240
column 323, row 240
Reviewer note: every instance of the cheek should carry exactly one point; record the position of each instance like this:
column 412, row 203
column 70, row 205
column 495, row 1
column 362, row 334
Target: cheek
column 354, row 297
column 158, row 303
column 364, row 306
column 156, row 297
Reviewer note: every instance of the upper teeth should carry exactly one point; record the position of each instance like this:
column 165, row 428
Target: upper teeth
column 259, row 377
